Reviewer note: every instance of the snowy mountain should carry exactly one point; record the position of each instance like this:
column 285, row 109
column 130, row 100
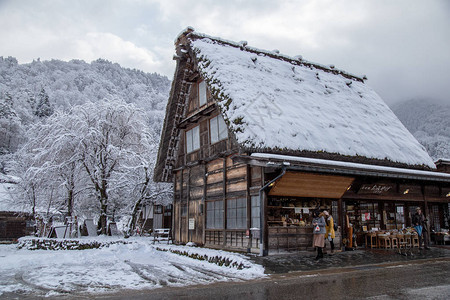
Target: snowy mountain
column 429, row 122
column 49, row 110
column 32, row 91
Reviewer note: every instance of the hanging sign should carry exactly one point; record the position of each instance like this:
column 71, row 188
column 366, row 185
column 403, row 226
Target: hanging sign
column 298, row 210
column 377, row 188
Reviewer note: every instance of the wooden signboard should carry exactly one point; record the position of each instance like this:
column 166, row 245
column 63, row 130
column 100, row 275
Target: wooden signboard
column 377, row 189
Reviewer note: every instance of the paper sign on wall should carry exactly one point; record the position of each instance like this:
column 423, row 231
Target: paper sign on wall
column 191, row 223
column 298, row 210
column 306, row 210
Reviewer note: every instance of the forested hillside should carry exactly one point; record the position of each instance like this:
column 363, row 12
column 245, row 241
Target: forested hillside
column 429, row 122
column 29, row 92
column 81, row 138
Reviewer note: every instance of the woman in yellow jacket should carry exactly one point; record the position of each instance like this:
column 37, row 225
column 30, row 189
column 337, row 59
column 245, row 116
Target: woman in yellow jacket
column 329, row 229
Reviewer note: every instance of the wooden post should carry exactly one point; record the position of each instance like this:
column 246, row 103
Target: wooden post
column 188, row 196
column 426, row 212
column 266, row 226
column 172, row 233
column 249, row 208
column 224, row 186
column 180, row 206
column 205, row 180
column 341, row 219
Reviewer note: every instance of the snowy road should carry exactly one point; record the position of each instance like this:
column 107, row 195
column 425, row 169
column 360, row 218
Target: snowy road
column 120, row 266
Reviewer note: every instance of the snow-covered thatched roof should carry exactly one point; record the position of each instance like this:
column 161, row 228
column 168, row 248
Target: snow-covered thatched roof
column 275, row 102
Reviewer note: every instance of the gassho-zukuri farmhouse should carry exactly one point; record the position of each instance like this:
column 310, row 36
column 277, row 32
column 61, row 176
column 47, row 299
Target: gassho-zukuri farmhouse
column 254, row 141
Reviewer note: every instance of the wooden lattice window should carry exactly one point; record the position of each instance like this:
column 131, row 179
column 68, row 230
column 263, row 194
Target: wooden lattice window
column 237, row 213
column 214, row 214
column 256, row 212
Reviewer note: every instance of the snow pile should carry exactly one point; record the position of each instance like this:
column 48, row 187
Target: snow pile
column 65, row 244
column 136, row 265
column 281, row 103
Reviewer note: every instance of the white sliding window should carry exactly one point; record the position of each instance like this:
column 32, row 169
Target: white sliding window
column 202, row 99
column 219, row 130
column 193, row 139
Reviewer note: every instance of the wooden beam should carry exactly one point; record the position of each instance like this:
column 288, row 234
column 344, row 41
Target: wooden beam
column 266, row 226
column 204, row 203
column 188, row 196
column 172, row 233
column 341, row 219
column 224, row 186
column 180, row 206
column 249, row 207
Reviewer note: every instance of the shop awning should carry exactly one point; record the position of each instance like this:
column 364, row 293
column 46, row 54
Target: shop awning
column 298, row 184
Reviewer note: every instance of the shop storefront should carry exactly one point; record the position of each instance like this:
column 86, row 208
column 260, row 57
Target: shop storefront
column 289, row 221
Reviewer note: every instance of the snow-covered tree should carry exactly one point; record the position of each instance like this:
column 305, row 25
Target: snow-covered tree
column 53, row 143
column 43, row 107
column 10, row 126
column 85, row 158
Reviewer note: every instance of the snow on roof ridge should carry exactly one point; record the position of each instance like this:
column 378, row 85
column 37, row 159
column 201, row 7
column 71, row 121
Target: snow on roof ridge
column 189, row 31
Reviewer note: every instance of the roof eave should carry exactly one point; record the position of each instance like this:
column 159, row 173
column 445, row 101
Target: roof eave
column 323, row 167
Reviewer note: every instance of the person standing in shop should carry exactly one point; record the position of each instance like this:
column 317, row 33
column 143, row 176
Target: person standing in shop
column 330, row 234
column 318, row 233
column 420, row 225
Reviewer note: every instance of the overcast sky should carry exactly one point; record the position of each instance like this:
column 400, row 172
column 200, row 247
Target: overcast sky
column 402, row 46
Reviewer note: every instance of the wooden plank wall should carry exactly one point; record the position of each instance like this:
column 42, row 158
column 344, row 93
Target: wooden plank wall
column 219, row 179
column 225, row 181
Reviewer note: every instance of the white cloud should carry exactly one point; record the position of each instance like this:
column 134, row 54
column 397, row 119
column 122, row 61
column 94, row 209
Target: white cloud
column 401, row 45
column 109, row 46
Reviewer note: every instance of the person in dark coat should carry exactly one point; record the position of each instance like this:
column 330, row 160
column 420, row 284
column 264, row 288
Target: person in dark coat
column 421, row 226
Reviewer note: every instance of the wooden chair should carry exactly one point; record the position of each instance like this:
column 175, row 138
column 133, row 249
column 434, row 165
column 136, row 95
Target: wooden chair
column 415, row 241
column 372, row 237
column 394, row 241
column 401, row 240
column 403, row 247
column 384, row 241
column 408, row 240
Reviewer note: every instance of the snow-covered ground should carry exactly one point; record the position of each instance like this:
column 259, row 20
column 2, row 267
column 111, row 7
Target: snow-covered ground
column 137, row 265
